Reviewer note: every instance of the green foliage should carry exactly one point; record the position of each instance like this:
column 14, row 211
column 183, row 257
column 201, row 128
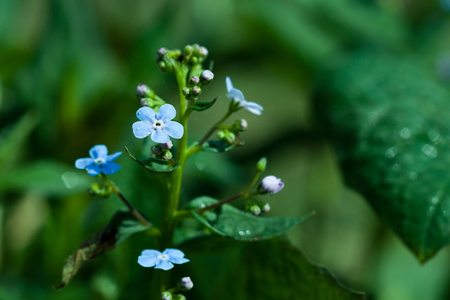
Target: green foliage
column 388, row 120
column 202, row 105
column 266, row 270
column 122, row 225
column 153, row 165
column 237, row 224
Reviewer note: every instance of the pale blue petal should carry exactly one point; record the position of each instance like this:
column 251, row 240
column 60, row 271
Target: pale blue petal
column 236, row 95
column 147, row 261
column 93, row 169
column 110, row 168
column 179, row 260
column 166, row 113
column 158, row 136
column 165, row 265
column 82, row 163
column 173, row 252
column 174, row 129
column 112, row 157
column 146, row 114
column 229, row 84
column 253, row 107
column 98, row 151
column 153, row 253
column 142, row 129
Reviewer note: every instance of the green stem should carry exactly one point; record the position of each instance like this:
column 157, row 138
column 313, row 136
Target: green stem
column 133, row 210
column 214, row 128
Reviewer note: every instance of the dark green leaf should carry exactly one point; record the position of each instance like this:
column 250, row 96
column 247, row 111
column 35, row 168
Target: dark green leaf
column 389, row 122
column 202, row 105
column 122, row 225
column 154, row 165
column 217, row 146
column 240, row 225
column 266, row 270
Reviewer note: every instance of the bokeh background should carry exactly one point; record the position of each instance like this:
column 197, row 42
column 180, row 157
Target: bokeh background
column 68, row 72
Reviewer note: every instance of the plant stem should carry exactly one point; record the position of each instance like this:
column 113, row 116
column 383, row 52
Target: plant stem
column 133, row 210
column 214, row 128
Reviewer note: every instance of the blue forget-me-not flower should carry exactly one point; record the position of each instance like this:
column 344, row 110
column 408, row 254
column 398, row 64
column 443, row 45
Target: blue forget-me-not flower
column 158, row 125
column 238, row 97
column 164, row 260
column 99, row 162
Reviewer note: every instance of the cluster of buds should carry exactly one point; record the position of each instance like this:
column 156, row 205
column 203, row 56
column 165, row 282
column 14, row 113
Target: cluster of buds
column 196, row 83
column 257, row 207
column 230, row 134
column 147, row 96
column 183, row 285
column 191, row 56
column 162, row 151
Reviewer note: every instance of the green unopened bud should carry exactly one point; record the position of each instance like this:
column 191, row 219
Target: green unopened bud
column 261, row 164
column 163, row 66
column 188, row 49
column 193, row 60
column 196, row 90
column 240, row 125
column 255, row 209
column 194, row 81
column 265, row 207
column 100, row 190
column 144, row 91
column 227, row 136
column 179, row 297
column 146, row 102
column 166, row 296
column 186, row 91
column 167, row 155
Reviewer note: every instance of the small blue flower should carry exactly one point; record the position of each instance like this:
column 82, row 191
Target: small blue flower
column 164, row 260
column 99, row 162
column 238, row 97
column 158, row 125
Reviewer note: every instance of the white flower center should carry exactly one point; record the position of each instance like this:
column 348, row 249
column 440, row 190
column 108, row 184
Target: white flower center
column 163, row 257
column 99, row 161
column 158, row 125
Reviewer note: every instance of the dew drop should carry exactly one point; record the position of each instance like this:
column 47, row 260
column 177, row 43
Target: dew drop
column 434, row 200
column 433, row 135
column 241, row 232
column 405, row 133
column 138, row 128
column 429, row 151
column 148, row 132
column 413, row 175
column 396, row 168
column 391, row 152
column 248, row 232
column 70, row 179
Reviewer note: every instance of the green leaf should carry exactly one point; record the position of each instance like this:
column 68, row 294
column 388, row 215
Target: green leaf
column 48, row 177
column 271, row 269
column 122, row 225
column 240, row 225
column 202, row 105
column 389, row 122
column 154, row 165
column 217, row 146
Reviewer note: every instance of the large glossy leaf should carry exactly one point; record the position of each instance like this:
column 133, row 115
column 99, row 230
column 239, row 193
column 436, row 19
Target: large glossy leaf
column 122, row 225
column 266, row 270
column 390, row 123
column 235, row 223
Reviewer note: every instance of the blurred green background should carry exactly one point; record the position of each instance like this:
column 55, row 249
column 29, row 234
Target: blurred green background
column 68, row 72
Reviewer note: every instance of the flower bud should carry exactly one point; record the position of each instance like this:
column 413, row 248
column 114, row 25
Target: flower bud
column 179, row 297
column 186, row 284
column 196, row 90
column 255, row 209
column 144, row 91
column 227, row 136
column 265, row 208
column 194, row 81
column 188, row 49
column 100, row 190
column 206, row 77
column 261, row 164
column 163, row 66
column 270, row 185
column 166, row 155
column 161, row 52
column 166, row 296
column 240, row 125
column 146, row 102
column 186, row 91
column 167, row 146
